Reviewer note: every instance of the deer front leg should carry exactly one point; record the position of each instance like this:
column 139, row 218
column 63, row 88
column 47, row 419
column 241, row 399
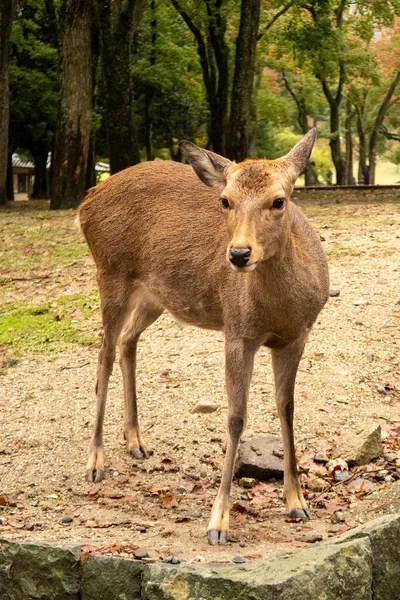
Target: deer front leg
column 239, row 359
column 285, row 362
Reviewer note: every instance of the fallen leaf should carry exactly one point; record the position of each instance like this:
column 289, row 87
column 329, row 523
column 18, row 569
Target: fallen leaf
column 169, row 502
column 197, row 489
column 326, row 408
column 299, row 544
column 168, row 461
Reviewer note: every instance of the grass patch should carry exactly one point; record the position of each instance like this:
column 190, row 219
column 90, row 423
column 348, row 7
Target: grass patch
column 49, row 327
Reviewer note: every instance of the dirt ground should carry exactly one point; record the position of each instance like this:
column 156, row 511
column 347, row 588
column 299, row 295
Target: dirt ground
column 47, row 398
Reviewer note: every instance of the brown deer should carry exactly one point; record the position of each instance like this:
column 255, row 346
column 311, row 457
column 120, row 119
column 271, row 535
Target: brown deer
column 233, row 255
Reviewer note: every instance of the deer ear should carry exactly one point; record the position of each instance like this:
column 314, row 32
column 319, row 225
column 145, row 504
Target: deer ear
column 301, row 152
column 211, row 168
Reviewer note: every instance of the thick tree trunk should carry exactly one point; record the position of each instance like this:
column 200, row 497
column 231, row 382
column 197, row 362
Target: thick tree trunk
column 10, row 179
column 91, row 167
column 7, row 8
column 40, row 184
column 242, row 88
column 117, row 25
column 73, row 131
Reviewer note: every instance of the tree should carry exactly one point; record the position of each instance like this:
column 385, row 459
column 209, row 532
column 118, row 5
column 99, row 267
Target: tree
column 169, row 92
column 374, row 96
column 207, row 20
column 7, row 8
column 73, row 130
column 117, row 23
column 34, row 90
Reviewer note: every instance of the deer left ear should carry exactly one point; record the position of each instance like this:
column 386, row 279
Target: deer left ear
column 300, row 154
column 210, row 167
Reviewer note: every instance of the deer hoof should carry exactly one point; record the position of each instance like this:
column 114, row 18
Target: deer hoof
column 216, row 537
column 138, row 453
column 95, row 475
column 300, row 513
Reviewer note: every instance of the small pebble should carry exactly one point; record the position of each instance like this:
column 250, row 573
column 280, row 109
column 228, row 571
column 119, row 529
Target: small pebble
column 181, row 489
column 140, row 553
column 334, row 293
column 195, row 514
column 29, row 526
column 66, row 520
column 380, row 389
column 238, row 560
column 171, row 560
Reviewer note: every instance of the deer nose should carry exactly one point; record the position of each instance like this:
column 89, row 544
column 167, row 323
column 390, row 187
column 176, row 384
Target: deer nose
column 239, row 256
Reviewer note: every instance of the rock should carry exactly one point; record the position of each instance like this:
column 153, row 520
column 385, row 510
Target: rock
column 247, row 482
column 317, row 484
column 341, row 475
column 38, row 570
column 334, row 293
column 140, row 553
column 204, row 407
column 327, row 571
column 29, row 526
column 256, row 459
column 66, row 520
column 181, row 489
column 380, row 389
column 359, row 302
column 238, row 560
column 171, row 560
column 361, row 448
column 195, row 514
column 321, row 454
column 109, row 577
column 383, row 535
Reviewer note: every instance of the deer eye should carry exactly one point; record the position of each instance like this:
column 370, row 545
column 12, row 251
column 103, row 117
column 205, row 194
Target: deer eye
column 278, row 203
column 225, row 202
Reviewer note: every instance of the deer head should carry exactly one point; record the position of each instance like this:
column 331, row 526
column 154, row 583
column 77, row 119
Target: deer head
column 254, row 196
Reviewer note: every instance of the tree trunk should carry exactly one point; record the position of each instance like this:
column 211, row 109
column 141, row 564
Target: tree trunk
column 117, row 25
column 73, row 131
column 91, row 167
column 40, row 184
column 348, row 166
column 377, row 125
column 242, row 88
column 7, row 8
column 9, row 179
column 335, row 144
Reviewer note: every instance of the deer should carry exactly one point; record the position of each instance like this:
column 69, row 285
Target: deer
column 219, row 245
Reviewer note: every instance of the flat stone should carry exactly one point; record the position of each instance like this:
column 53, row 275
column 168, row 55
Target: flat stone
column 334, row 293
column 204, row 407
column 383, row 535
column 140, row 553
column 361, row 448
column 109, row 577
column 38, row 570
column 256, row 459
column 323, row 572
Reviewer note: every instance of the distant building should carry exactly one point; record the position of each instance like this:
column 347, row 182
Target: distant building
column 24, row 173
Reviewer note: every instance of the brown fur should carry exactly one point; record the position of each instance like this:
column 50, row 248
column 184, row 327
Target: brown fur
column 160, row 240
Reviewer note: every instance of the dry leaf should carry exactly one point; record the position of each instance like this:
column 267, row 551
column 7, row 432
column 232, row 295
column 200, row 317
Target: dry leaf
column 169, row 502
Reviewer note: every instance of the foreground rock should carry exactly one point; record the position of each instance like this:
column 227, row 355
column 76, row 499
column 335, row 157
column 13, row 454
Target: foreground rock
column 260, row 458
column 362, row 564
column 361, row 448
column 336, row 573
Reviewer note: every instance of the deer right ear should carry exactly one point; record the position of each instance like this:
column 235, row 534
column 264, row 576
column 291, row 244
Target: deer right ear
column 211, row 168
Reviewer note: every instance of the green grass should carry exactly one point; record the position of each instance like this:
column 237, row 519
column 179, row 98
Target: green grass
column 48, row 328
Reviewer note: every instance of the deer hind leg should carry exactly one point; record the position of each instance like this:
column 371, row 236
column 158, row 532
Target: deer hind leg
column 285, row 362
column 239, row 367
column 113, row 307
column 143, row 314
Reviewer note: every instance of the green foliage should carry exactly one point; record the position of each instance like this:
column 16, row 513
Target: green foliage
column 33, row 78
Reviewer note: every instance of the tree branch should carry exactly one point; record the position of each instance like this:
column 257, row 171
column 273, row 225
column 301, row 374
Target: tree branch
column 274, row 19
